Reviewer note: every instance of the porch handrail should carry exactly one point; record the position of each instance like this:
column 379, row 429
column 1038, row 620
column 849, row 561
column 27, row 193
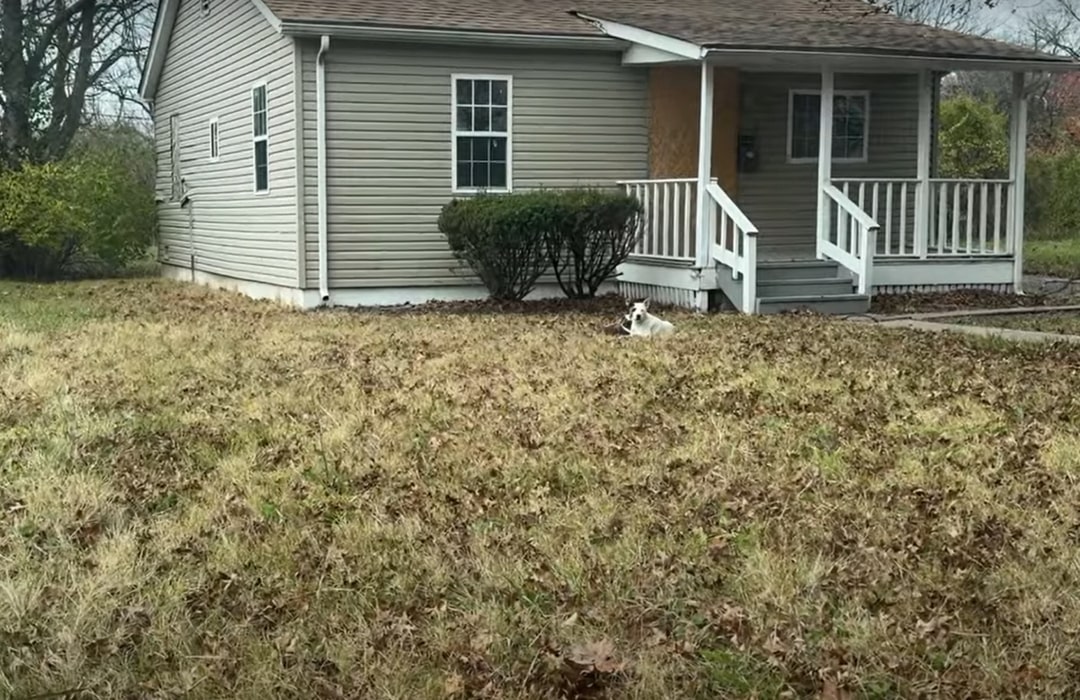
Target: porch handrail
column 731, row 208
column 739, row 251
column 856, row 253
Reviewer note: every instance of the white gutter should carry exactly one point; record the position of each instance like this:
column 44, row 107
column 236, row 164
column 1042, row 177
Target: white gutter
column 320, row 99
column 450, row 36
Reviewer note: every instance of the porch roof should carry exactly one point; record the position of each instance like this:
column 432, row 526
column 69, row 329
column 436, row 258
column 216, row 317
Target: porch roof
column 817, row 26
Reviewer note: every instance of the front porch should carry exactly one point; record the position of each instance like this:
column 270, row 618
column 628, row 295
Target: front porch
column 822, row 232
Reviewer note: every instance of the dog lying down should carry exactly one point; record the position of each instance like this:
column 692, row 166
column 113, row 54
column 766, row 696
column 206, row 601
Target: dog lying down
column 644, row 323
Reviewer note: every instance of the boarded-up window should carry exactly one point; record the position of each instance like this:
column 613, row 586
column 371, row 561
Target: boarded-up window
column 177, row 191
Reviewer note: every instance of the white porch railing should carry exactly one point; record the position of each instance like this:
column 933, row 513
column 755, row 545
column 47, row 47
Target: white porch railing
column 734, row 243
column 849, row 236
column 669, row 221
column 964, row 217
column 969, row 217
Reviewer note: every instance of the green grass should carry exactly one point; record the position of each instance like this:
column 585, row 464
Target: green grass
column 1058, row 258
column 1063, row 323
column 44, row 307
column 203, row 496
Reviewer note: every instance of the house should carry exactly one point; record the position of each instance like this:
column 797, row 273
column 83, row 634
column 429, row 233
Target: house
column 784, row 150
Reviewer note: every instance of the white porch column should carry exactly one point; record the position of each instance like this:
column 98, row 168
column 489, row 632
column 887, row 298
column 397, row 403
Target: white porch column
column 704, row 202
column 824, row 156
column 923, row 195
column 1017, row 174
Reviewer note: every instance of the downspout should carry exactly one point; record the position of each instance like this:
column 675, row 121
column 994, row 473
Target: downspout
column 320, row 98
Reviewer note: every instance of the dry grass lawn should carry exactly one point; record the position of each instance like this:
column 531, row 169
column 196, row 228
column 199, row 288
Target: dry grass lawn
column 207, row 497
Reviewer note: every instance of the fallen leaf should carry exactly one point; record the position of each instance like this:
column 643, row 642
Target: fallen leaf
column 454, row 685
column 595, row 656
column 831, row 691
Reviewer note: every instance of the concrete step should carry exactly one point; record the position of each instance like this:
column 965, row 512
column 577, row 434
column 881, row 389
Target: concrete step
column 818, row 303
column 796, row 270
column 813, row 286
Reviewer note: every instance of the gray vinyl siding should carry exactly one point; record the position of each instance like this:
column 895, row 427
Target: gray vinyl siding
column 781, row 197
column 578, row 118
column 212, row 63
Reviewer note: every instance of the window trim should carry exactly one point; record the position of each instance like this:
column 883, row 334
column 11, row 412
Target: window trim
column 213, row 135
column 865, row 94
column 256, row 139
column 509, row 133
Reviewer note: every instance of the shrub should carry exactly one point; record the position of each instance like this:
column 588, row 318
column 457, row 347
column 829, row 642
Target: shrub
column 500, row 237
column 597, row 231
column 973, row 138
column 509, row 241
column 1052, row 208
column 90, row 209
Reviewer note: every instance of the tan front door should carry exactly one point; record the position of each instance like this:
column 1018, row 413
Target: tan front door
column 675, row 104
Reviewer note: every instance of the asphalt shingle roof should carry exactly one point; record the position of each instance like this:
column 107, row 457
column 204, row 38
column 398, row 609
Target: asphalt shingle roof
column 808, row 25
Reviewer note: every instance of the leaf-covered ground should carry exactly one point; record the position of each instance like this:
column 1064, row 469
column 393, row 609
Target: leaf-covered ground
column 207, row 497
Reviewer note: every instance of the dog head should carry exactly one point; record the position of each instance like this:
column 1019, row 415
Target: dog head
column 639, row 311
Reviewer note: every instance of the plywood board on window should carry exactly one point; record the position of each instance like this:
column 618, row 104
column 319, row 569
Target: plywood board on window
column 675, row 99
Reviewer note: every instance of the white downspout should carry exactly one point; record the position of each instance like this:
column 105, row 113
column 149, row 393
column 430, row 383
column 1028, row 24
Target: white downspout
column 320, row 98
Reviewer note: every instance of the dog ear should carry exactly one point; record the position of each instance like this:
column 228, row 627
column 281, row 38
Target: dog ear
column 645, row 302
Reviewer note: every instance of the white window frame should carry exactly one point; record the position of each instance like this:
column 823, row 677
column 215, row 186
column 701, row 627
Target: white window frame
column 455, row 132
column 256, row 139
column 865, row 94
column 213, row 136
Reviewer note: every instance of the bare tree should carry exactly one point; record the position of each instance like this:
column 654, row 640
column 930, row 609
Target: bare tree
column 1055, row 26
column 56, row 57
column 959, row 15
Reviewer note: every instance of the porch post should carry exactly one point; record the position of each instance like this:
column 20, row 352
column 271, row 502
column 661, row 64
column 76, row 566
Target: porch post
column 824, row 157
column 1017, row 174
column 704, row 202
column 923, row 196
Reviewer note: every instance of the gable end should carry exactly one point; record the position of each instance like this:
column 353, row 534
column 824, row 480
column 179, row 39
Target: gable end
column 159, row 43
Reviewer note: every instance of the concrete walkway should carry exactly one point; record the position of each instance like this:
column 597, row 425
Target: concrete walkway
column 938, row 321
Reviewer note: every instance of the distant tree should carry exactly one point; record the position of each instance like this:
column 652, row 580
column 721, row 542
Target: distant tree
column 958, row 15
column 973, row 138
column 1055, row 26
column 56, row 58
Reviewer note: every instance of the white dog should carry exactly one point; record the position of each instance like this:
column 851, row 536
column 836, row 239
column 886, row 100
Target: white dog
column 644, row 323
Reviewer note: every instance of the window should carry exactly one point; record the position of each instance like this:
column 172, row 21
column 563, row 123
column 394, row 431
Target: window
column 260, row 139
column 177, row 190
column 212, row 135
column 850, row 125
column 481, row 136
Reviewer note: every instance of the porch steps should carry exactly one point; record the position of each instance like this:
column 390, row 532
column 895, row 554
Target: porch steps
column 818, row 303
column 814, row 285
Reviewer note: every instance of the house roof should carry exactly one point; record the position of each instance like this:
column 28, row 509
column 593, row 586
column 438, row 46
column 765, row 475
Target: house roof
column 814, row 26
column 792, row 25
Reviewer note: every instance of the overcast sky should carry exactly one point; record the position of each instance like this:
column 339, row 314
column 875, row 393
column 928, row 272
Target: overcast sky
column 1007, row 18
